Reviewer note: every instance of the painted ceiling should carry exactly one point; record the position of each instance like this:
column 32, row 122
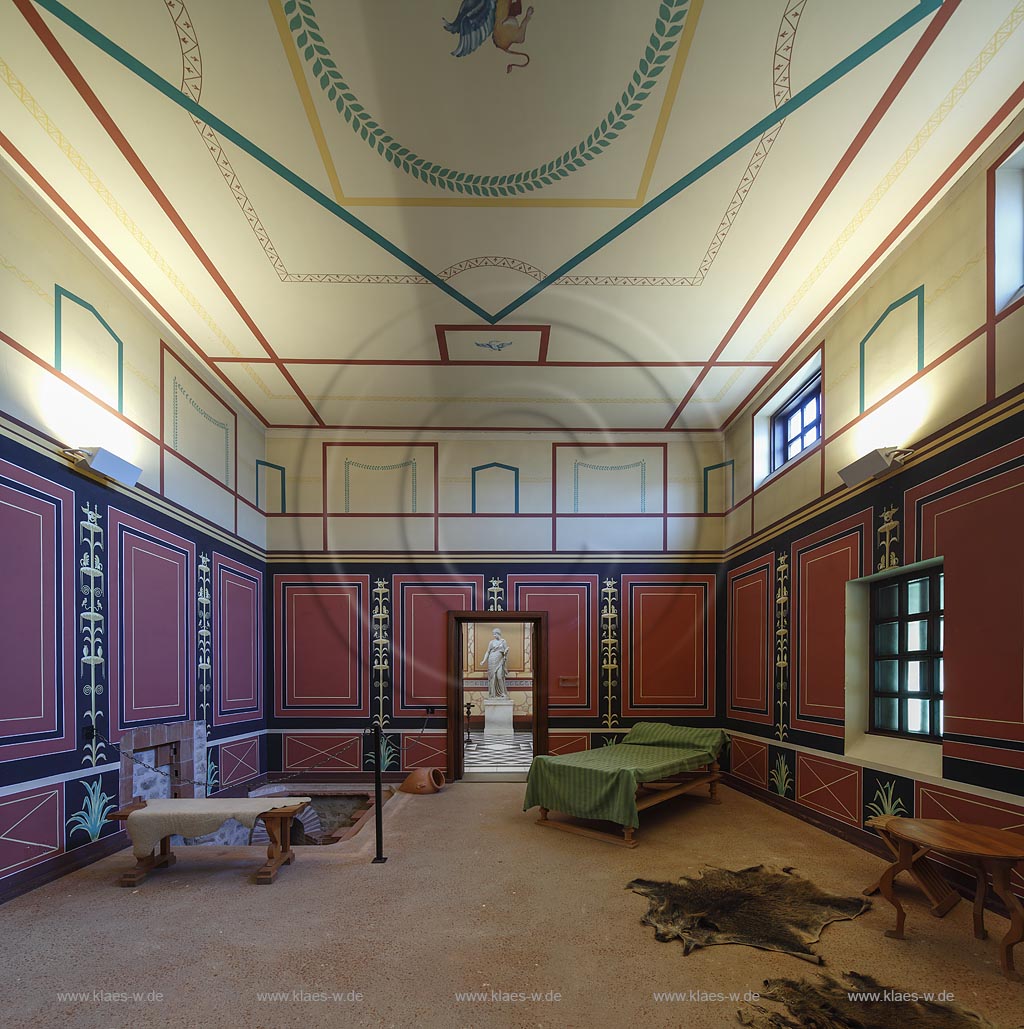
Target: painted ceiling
column 487, row 215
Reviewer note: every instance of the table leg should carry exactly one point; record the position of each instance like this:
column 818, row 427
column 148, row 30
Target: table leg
column 148, row 864
column 979, row 901
column 901, row 864
column 926, row 875
column 1001, row 885
column 279, row 851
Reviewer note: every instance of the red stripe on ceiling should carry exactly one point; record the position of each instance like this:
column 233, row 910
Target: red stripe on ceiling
column 65, row 208
column 923, row 45
column 991, row 126
column 77, row 80
column 434, row 363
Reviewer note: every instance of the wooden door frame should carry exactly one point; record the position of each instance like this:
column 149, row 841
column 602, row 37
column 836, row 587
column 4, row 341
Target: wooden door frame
column 456, row 716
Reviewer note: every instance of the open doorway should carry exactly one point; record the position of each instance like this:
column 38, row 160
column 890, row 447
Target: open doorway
column 497, row 693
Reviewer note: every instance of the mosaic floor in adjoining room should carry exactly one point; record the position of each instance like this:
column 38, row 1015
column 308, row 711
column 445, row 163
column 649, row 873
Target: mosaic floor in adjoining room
column 498, row 753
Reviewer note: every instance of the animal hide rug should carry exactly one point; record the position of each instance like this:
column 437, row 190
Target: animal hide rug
column 769, row 908
column 827, row 1003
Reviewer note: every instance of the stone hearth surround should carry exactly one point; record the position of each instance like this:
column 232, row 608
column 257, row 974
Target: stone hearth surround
column 184, row 742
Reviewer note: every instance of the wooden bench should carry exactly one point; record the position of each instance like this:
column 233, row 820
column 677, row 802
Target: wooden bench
column 279, row 852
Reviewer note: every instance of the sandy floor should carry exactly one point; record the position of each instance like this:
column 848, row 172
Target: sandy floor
column 474, row 897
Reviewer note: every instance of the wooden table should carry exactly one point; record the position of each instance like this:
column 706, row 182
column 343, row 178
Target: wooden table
column 278, row 821
column 985, row 849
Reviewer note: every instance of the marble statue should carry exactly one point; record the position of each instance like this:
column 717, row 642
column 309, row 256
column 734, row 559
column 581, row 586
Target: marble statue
column 496, row 660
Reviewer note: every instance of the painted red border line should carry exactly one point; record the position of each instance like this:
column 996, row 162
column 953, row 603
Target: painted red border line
column 62, row 205
column 990, row 270
column 962, row 158
column 75, row 77
column 602, row 429
column 921, row 48
column 433, row 363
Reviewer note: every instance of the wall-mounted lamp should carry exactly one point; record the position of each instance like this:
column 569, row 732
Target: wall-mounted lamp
column 104, row 463
column 877, row 462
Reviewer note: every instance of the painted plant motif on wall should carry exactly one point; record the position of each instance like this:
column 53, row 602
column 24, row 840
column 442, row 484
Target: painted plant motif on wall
column 781, row 643
column 92, row 816
column 609, row 650
column 781, row 776
column 888, row 537
column 390, row 753
column 499, row 19
column 91, row 624
column 381, row 654
column 205, row 638
column 886, row 802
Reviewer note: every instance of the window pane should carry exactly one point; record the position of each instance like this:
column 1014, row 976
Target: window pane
column 917, row 676
column 917, row 716
column 887, row 676
column 889, row 601
column 942, row 589
column 942, row 633
column 793, row 428
column 887, row 713
column 917, row 596
column 793, row 449
column 940, row 718
column 810, row 436
column 810, row 410
column 917, row 635
column 887, row 638
column 940, row 678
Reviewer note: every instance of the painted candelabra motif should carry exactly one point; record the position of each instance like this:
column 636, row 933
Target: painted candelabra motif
column 204, row 638
column 495, row 596
column 381, row 653
column 91, row 625
column 888, row 537
column 781, row 644
column 609, row 650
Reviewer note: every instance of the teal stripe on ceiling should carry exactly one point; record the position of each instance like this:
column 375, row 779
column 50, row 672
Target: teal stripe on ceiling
column 892, row 32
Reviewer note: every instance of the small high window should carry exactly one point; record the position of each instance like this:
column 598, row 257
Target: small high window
column 797, row 424
column 907, row 628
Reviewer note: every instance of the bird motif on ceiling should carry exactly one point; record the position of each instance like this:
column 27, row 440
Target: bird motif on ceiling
column 496, row 344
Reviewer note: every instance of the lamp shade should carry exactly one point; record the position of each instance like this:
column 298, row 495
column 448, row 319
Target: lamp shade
column 103, row 462
column 867, row 467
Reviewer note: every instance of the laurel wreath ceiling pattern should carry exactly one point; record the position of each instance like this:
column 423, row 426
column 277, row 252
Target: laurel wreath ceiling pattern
column 488, row 214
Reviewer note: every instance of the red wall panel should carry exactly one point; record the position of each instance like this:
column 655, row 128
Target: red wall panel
column 420, row 606
column 322, row 644
column 424, row 750
column 976, row 529
column 31, row 827
column 750, row 761
column 668, row 645
column 323, row 752
column 239, row 761
column 568, row 743
column 571, row 602
column 152, row 623
column 37, row 631
column 238, row 641
column 750, row 653
column 822, row 564
column 831, row 787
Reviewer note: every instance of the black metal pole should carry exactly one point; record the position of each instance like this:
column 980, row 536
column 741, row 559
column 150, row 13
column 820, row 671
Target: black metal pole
column 378, row 801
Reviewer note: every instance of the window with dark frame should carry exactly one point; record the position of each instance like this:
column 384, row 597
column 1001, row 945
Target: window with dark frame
column 907, row 630
column 797, row 424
